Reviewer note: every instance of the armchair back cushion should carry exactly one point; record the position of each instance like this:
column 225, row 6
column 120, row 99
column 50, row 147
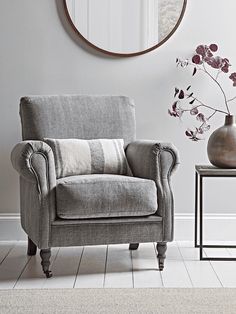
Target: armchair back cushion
column 76, row 116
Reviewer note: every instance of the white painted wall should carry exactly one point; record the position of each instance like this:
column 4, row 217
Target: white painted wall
column 38, row 55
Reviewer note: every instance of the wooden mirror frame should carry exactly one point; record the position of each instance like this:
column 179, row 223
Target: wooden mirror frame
column 126, row 54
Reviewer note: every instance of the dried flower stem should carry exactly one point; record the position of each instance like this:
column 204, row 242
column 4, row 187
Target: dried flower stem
column 217, row 75
column 231, row 99
column 209, row 74
column 212, row 115
column 204, row 105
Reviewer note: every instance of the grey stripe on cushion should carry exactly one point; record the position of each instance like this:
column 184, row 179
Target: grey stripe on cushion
column 76, row 156
column 97, row 156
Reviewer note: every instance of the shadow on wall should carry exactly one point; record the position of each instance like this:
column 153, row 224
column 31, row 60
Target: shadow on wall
column 60, row 4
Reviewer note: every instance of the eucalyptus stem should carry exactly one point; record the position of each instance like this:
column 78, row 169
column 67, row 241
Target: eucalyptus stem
column 212, row 115
column 209, row 74
column 204, row 105
column 231, row 99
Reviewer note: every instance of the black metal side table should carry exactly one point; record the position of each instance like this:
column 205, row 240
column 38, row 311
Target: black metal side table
column 200, row 173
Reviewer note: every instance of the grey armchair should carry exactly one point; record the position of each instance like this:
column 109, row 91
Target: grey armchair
column 91, row 117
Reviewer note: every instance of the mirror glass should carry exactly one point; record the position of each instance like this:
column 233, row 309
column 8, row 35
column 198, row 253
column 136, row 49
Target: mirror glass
column 125, row 26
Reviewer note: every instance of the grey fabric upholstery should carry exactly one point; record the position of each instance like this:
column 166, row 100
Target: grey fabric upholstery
column 76, row 116
column 106, row 231
column 35, row 163
column 89, row 117
column 156, row 161
column 105, row 196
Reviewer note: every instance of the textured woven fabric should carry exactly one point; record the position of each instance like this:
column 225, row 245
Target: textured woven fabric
column 101, row 196
column 35, row 163
column 77, row 116
column 76, row 156
column 106, row 231
column 119, row 301
column 157, row 161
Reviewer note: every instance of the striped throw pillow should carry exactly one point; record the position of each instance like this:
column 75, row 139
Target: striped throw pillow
column 76, row 156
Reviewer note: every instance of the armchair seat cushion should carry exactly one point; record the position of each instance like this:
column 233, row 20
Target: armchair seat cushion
column 105, row 196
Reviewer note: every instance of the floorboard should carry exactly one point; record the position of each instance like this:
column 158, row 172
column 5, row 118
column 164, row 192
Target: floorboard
column 145, row 267
column 118, row 267
column 175, row 273
column 115, row 266
column 202, row 273
column 225, row 270
column 12, row 266
column 92, row 267
column 64, row 268
column 33, row 277
column 5, row 249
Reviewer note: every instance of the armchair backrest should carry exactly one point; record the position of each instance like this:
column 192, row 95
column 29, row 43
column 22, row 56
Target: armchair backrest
column 77, row 116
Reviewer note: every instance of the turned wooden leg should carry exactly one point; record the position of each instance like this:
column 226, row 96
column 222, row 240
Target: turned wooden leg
column 45, row 256
column 133, row 246
column 32, row 248
column 161, row 249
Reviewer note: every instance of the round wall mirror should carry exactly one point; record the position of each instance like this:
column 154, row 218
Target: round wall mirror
column 125, row 27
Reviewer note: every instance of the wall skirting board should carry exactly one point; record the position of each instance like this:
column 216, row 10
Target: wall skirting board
column 10, row 228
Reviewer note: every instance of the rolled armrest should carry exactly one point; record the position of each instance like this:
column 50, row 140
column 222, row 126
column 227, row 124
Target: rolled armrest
column 24, row 161
column 152, row 159
column 156, row 161
column 34, row 161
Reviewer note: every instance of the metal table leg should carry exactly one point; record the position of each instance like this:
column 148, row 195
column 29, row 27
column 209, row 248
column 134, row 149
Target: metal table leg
column 196, row 211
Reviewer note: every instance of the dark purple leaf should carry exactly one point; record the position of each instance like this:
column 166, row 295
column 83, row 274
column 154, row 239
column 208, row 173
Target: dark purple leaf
column 213, row 47
column 200, row 117
column 225, row 69
column 201, row 50
column 233, row 78
column 200, row 130
column 215, row 63
column 181, row 94
column 176, row 91
column 196, row 59
column 194, row 111
column 188, row 133
column 192, row 135
column 192, row 101
column 174, row 106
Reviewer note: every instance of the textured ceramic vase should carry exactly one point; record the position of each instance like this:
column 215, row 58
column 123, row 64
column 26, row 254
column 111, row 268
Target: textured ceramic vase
column 221, row 146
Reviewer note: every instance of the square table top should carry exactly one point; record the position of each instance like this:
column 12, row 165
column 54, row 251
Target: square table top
column 209, row 170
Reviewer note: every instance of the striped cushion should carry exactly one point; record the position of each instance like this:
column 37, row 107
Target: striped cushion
column 76, row 156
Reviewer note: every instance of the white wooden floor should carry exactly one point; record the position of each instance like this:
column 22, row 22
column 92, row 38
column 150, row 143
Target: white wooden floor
column 114, row 266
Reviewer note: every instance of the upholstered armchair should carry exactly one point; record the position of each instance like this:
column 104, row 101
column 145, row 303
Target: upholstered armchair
column 132, row 209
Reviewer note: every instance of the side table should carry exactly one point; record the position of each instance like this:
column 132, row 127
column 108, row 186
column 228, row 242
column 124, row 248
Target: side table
column 206, row 171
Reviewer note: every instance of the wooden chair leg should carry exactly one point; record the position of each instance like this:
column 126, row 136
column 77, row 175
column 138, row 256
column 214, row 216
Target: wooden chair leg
column 45, row 256
column 133, row 246
column 161, row 249
column 32, row 248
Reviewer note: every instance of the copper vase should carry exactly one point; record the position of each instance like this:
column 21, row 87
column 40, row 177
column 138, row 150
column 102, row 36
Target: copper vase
column 221, row 148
